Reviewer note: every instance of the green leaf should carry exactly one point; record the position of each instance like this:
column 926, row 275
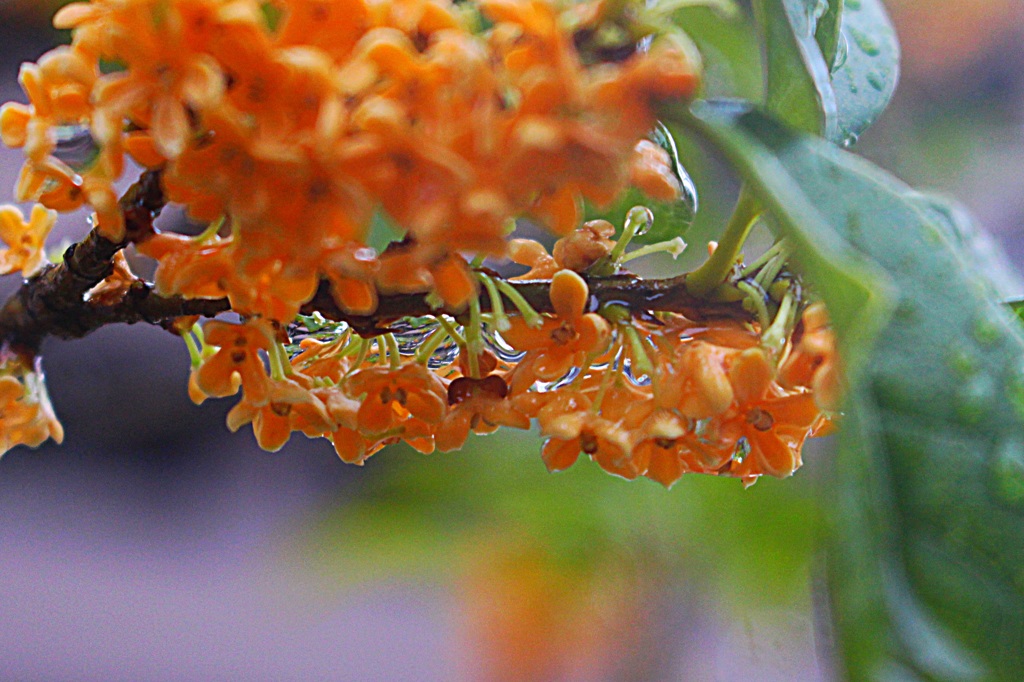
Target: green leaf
column 927, row 532
column 799, row 89
column 972, row 242
column 865, row 80
column 728, row 46
column 827, row 32
column 1018, row 308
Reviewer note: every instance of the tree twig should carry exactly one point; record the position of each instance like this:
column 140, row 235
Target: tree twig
column 53, row 303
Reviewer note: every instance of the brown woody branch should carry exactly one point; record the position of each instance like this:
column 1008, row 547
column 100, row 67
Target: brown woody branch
column 54, row 303
column 640, row 296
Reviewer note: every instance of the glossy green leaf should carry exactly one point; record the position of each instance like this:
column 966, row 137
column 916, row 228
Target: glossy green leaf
column 867, row 68
column 729, row 51
column 799, row 90
column 973, row 243
column 827, row 32
column 1018, row 309
column 927, row 531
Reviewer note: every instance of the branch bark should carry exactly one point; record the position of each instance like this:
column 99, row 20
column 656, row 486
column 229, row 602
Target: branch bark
column 53, row 303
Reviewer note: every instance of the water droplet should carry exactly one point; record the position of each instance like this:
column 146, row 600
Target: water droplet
column 842, row 52
column 498, row 345
column 876, row 80
column 865, row 42
column 986, row 331
column 1008, row 471
column 639, row 220
column 850, row 140
column 687, row 201
column 636, row 379
column 974, row 399
column 963, row 362
column 75, row 146
column 411, row 333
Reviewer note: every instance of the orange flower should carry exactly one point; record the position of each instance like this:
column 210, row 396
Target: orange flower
column 113, row 289
column 288, row 407
column 237, row 354
column 168, row 73
column 651, row 172
column 25, row 240
column 480, row 405
column 667, row 448
column 564, row 341
column 573, row 427
column 585, row 246
column 394, row 398
column 408, row 268
column 26, row 415
column 331, row 25
column 190, row 268
column 533, row 255
column 58, row 90
column 774, row 423
column 351, row 269
column 813, row 361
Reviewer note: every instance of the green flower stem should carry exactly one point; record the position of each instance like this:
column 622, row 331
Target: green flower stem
column 426, row 351
column 394, row 354
column 474, row 338
column 530, row 316
column 675, row 247
column 452, row 331
column 636, row 345
column 756, row 297
column 211, row 230
column 715, row 269
column 610, row 375
column 501, row 322
column 637, row 218
column 364, row 350
column 277, row 362
column 193, row 350
column 774, row 338
column 777, row 249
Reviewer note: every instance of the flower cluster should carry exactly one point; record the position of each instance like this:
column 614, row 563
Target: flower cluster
column 656, row 398
column 291, row 127
column 294, row 121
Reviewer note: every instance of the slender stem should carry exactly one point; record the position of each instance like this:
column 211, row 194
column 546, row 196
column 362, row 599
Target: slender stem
column 756, row 296
column 774, row 338
column 194, row 354
column 426, row 351
column 452, row 331
column 529, row 313
column 394, row 354
column 474, row 338
column 501, row 322
column 675, row 247
column 715, row 269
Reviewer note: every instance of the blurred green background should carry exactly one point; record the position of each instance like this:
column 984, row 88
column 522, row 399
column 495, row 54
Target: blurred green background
column 156, row 546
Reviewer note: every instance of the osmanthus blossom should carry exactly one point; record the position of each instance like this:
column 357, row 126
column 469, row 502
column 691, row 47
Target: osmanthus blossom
column 290, row 128
column 565, row 340
column 237, row 355
column 26, row 414
column 480, row 406
column 288, row 406
column 25, row 240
